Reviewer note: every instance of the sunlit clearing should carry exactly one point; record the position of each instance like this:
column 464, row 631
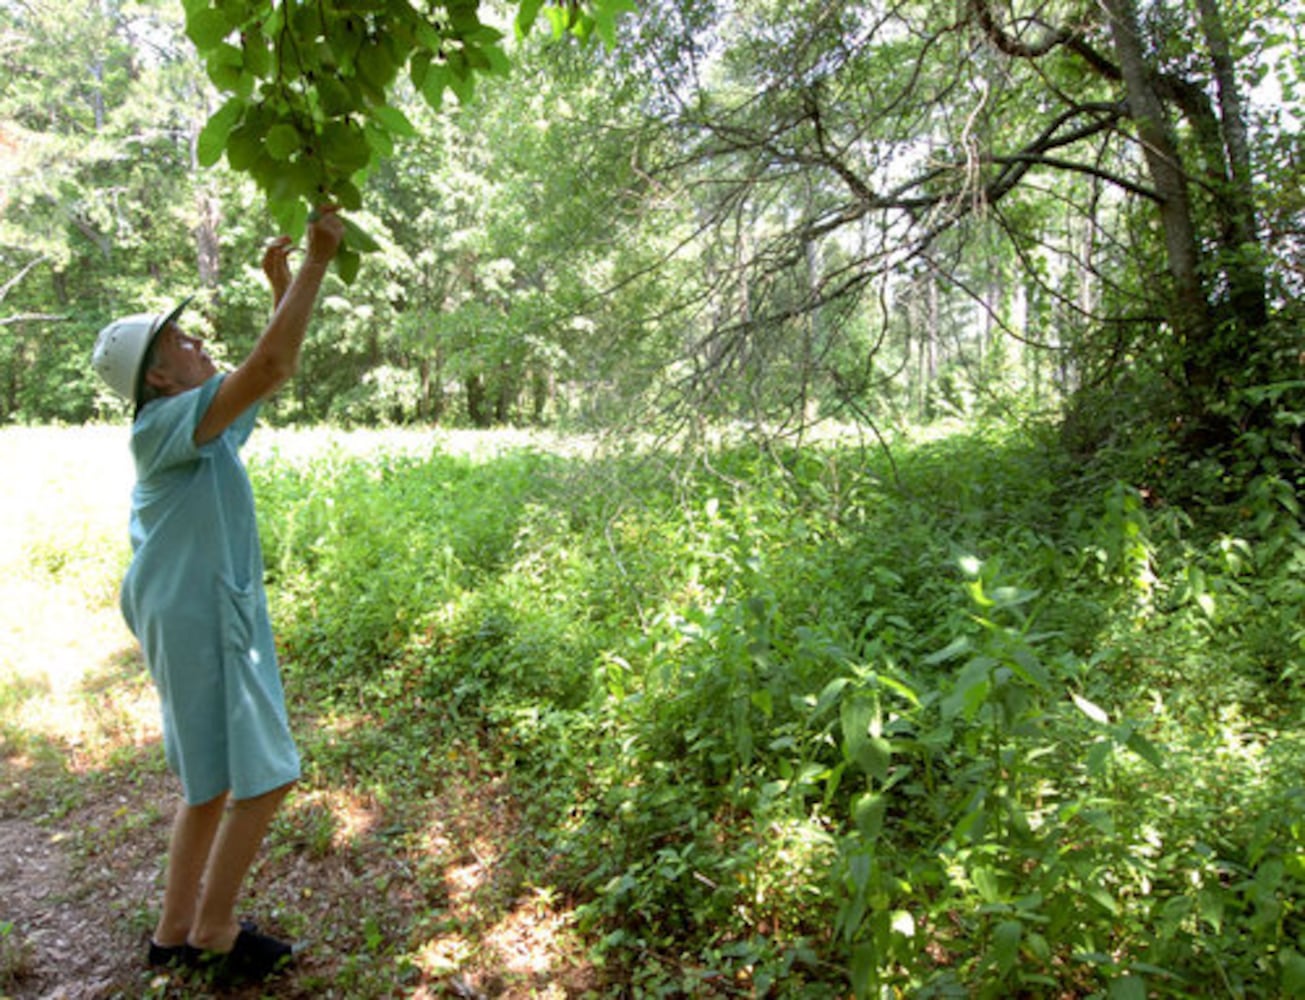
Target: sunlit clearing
column 465, row 880
column 63, row 675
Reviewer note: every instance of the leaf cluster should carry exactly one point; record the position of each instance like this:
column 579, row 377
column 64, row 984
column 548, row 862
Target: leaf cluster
column 309, row 113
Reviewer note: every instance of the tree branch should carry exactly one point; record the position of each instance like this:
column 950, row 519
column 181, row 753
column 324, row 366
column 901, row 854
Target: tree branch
column 1037, row 159
column 26, row 269
column 33, row 318
column 1052, row 37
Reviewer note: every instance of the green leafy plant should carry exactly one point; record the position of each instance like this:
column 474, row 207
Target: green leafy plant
column 308, row 110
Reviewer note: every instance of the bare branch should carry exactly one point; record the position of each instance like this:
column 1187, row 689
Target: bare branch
column 1075, row 167
column 33, row 318
column 23, row 272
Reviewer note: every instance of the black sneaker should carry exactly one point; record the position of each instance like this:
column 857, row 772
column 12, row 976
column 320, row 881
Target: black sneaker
column 183, row 956
column 177, row 956
column 251, row 959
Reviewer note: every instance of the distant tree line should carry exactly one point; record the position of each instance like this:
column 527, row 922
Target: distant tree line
column 746, row 211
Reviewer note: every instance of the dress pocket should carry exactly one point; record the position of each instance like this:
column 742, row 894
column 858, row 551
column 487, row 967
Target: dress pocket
column 237, row 612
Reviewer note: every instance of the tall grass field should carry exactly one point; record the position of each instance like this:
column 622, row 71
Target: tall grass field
column 968, row 720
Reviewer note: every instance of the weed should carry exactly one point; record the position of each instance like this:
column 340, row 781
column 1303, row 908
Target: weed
column 15, row 956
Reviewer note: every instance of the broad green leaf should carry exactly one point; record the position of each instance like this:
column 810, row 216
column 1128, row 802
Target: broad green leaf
column 376, row 65
column 971, row 689
column 394, row 120
column 244, row 146
column 958, row 646
column 559, row 19
column 257, row 56
column 1293, row 973
column 985, row 881
column 463, row 18
column 380, row 140
column 606, row 13
column 282, row 141
column 499, row 64
column 1103, row 898
column 864, row 970
column 1127, row 988
column 348, row 196
column 1026, row 665
column 344, row 147
column 434, row 81
column 338, row 97
column 293, row 182
column 1006, row 944
column 206, row 28
column 483, row 35
column 868, row 813
column 874, row 756
column 426, row 36
column 346, row 265
column 226, row 68
column 1145, row 749
column 829, row 695
column 855, row 714
column 526, row 14
column 213, row 136
column 291, row 216
column 462, row 82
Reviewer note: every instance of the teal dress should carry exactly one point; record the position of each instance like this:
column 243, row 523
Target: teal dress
column 193, row 595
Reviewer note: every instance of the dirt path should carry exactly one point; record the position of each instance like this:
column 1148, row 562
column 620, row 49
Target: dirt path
column 56, row 946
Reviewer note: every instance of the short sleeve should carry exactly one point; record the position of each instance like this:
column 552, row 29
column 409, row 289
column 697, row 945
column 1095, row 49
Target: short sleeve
column 164, row 433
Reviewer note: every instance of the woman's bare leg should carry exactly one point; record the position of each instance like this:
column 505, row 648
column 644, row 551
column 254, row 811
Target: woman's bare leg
column 193, row 832
column 239, row 837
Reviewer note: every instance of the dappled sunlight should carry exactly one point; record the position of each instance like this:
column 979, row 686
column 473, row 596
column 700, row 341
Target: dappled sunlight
column 497, row 936
column 527, row 940
column 352, row 816
column 444, row 955
column 528, row 944
column 53, row 697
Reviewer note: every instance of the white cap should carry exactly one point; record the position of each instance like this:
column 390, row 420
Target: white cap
column 122, row 345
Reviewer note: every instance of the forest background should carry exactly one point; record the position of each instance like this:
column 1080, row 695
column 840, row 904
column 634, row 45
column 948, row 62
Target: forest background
column 899, row 590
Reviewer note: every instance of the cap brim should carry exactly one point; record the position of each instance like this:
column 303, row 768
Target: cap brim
column 164, row 321
column 170, row 318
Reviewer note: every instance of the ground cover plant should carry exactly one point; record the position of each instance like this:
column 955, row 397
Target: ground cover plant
column 754, row 721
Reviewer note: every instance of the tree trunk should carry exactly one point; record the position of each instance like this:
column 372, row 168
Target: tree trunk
column 208, row 261
column 477, row 410
column 1190, row 317
column 1242, row 265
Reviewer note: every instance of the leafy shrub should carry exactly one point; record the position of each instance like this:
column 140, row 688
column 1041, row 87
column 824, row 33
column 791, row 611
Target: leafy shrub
column 969, row 725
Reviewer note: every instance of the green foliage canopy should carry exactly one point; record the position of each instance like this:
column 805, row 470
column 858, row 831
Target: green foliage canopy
column 309, row 110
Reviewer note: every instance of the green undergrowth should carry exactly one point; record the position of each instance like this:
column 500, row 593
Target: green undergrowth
column 791, row 723
column 972, row 723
